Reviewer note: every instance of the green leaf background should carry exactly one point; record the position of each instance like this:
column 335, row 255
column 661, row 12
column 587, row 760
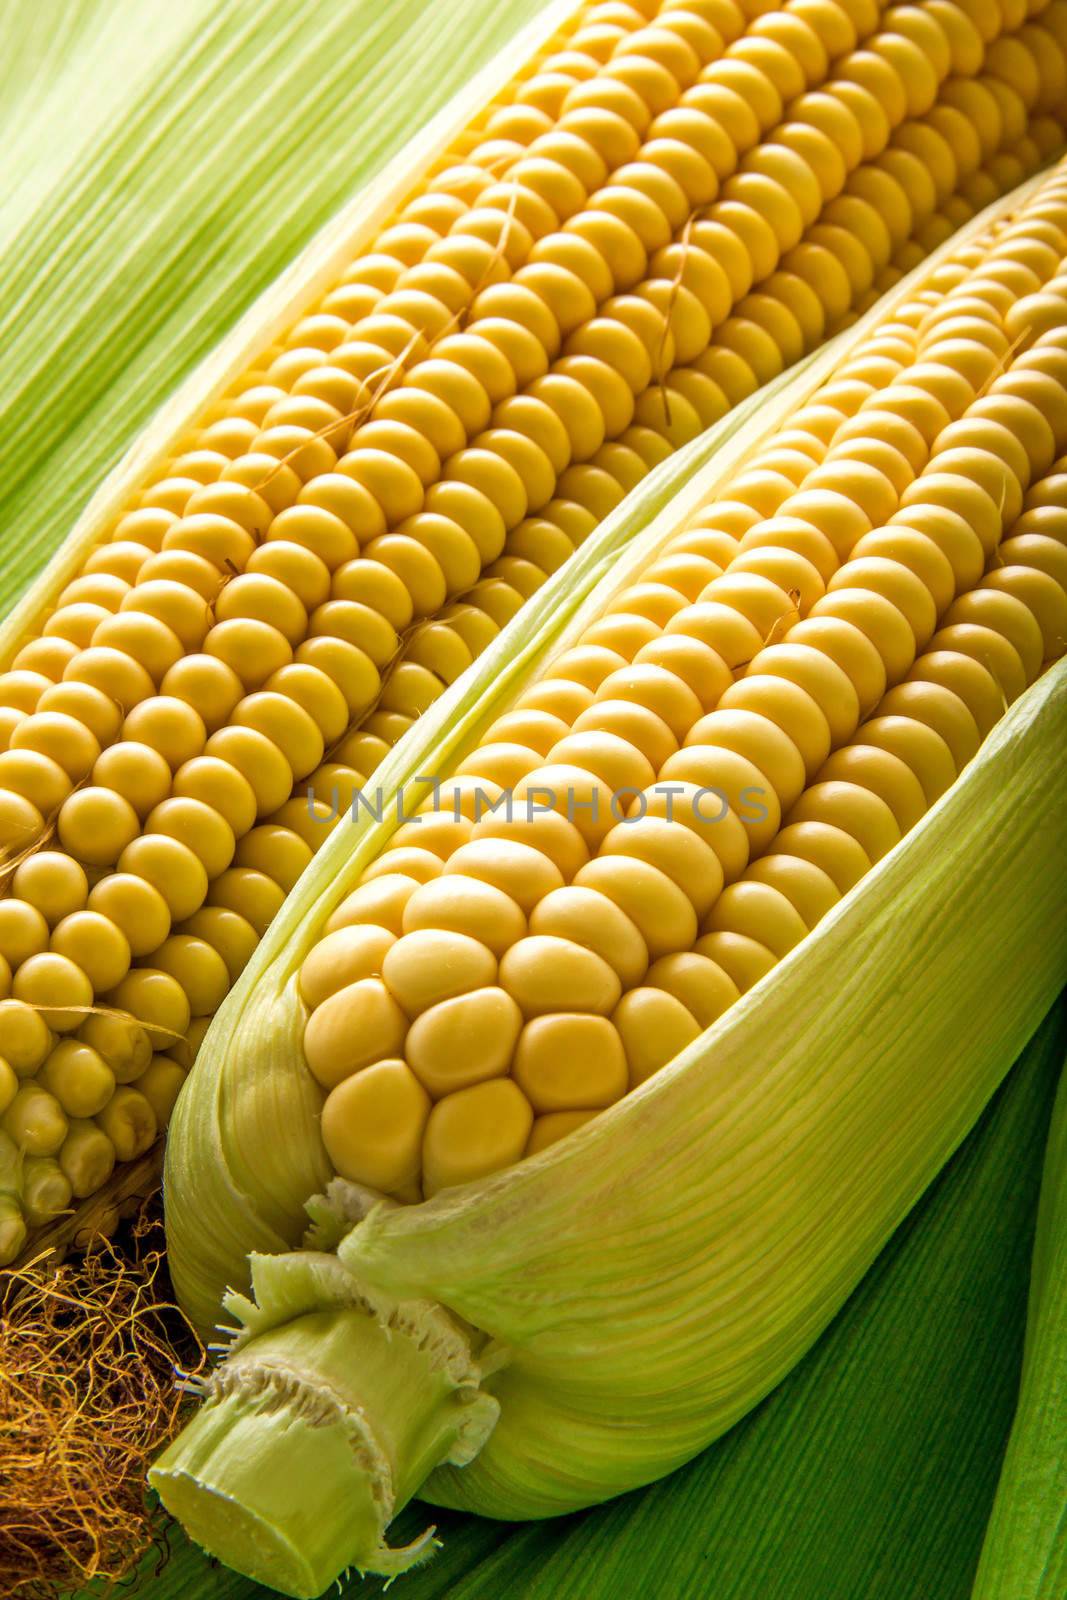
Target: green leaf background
column 162, row 163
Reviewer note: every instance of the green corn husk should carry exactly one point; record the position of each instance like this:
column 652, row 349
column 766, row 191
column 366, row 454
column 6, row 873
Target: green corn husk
column 646, row 1281
column 588, row 1320
column 60, row 90
column 869, row 1472
column 1025, row 1553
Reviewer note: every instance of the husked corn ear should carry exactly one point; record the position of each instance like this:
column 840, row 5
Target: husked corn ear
column 789, row 713
column 725, row 752
column 667, row 208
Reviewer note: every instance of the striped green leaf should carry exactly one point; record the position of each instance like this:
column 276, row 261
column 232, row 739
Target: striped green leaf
column 169, row 160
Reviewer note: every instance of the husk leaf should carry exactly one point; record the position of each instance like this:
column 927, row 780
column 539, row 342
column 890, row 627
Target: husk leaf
column 164, row 165
column 1025, row 1551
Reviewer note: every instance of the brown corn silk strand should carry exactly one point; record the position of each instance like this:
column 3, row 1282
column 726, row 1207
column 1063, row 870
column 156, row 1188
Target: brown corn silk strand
column 88, row 1351
column 660, row 379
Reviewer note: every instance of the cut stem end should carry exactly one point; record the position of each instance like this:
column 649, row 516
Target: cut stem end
column 315, row 1433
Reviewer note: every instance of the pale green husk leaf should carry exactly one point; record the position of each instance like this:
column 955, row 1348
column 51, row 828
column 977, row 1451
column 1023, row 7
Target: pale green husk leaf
column 163, row 163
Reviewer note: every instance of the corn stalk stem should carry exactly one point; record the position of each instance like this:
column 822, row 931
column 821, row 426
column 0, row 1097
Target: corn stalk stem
column 317, row 1431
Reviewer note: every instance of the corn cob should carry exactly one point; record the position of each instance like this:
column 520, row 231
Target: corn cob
column 239, row 620
column 866, row 648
